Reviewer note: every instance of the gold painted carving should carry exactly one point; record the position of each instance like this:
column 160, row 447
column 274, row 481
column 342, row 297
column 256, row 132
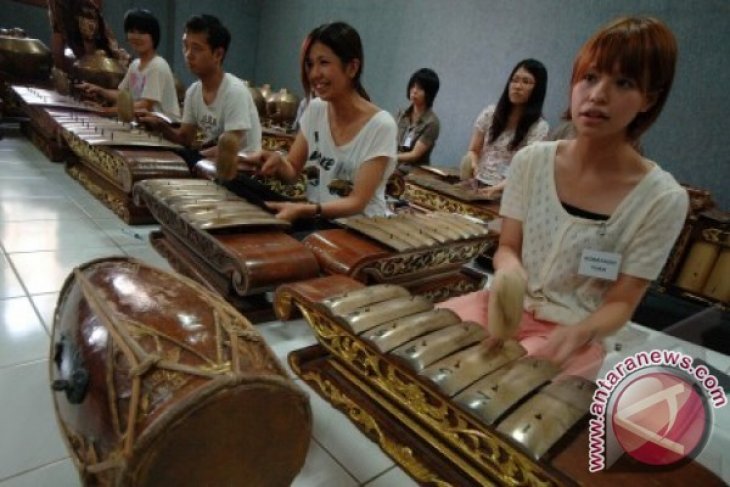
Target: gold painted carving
column 399, row 452
column 118, row 205
column 423, row 262
column 438, row 202
column 496, row 456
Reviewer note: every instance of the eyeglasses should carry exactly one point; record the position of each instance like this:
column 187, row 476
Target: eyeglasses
column 522, row 80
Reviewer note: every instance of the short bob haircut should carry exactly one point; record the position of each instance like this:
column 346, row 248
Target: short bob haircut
column 344, row 41
column 216, row 33
column 640, row 48
column 142, row 20
column 428, row 81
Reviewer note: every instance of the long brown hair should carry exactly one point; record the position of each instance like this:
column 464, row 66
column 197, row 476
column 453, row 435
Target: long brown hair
column 532, row 110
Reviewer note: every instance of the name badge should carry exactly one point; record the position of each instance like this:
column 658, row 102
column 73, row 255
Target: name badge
column 408, row 139
column 603, row 265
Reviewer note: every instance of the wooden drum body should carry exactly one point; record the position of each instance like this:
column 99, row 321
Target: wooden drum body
column 160, row 382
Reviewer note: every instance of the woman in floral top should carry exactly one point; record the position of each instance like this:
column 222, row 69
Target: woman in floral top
column 516, row 121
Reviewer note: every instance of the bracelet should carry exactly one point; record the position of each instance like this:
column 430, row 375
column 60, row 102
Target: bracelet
column 318, row 210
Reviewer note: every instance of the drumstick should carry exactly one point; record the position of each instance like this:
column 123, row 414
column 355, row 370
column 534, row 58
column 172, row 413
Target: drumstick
column 125, row 106
column 506, row 301
column 227, row 158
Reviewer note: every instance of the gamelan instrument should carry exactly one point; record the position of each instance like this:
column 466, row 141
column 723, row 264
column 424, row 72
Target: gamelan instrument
column 698, row 267
column 45, row 98
column 431, row 188
column 99, row 69
column 232, row 246
column 424, row 252
column 243, row 253
column 105, row 155
column 280, row 108
column 273, row 138
column 43, row 107
column 258, row 98
column 439, row 189
column 22, row 59
column 419, row 382
column 113, row 156
column 159, row 382
column 280, row 191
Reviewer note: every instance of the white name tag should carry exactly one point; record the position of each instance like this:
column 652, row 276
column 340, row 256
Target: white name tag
column 408, row 139
column 603, row 265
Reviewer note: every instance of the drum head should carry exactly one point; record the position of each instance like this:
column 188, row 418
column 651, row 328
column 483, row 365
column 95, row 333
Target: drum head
column 242, row 432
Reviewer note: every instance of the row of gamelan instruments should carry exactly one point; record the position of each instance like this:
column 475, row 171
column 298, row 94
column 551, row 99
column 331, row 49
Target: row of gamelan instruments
column 161, row 379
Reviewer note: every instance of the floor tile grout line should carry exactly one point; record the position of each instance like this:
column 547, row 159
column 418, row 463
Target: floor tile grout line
column 27, row 294
column 337, row 461
column 47, row 327
column 63, row 249
column 26, row 472
column 335, row 457
column 381, row 474
column 23, row 364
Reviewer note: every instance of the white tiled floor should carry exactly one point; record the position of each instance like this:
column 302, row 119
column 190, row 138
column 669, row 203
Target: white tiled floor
column 48, row 225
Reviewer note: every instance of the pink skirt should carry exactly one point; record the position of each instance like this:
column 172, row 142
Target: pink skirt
column 532, row 334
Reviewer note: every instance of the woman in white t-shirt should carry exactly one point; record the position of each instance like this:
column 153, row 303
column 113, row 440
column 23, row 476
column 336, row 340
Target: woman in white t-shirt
column 589, row 223
column 149, row 78
column 342, row 134
column 515, row 122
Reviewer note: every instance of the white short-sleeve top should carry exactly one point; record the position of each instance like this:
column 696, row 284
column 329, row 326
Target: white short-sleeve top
column 642, row 230
column 232, row 109
column 155, row 82
column 376, row 139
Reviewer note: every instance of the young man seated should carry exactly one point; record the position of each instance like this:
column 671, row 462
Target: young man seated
column 218, row 103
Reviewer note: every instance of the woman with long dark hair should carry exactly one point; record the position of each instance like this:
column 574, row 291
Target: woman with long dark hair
column 80, row 25
column 501, row 130
column 342, row 136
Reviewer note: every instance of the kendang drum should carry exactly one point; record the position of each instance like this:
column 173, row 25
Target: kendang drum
column 159, row 382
